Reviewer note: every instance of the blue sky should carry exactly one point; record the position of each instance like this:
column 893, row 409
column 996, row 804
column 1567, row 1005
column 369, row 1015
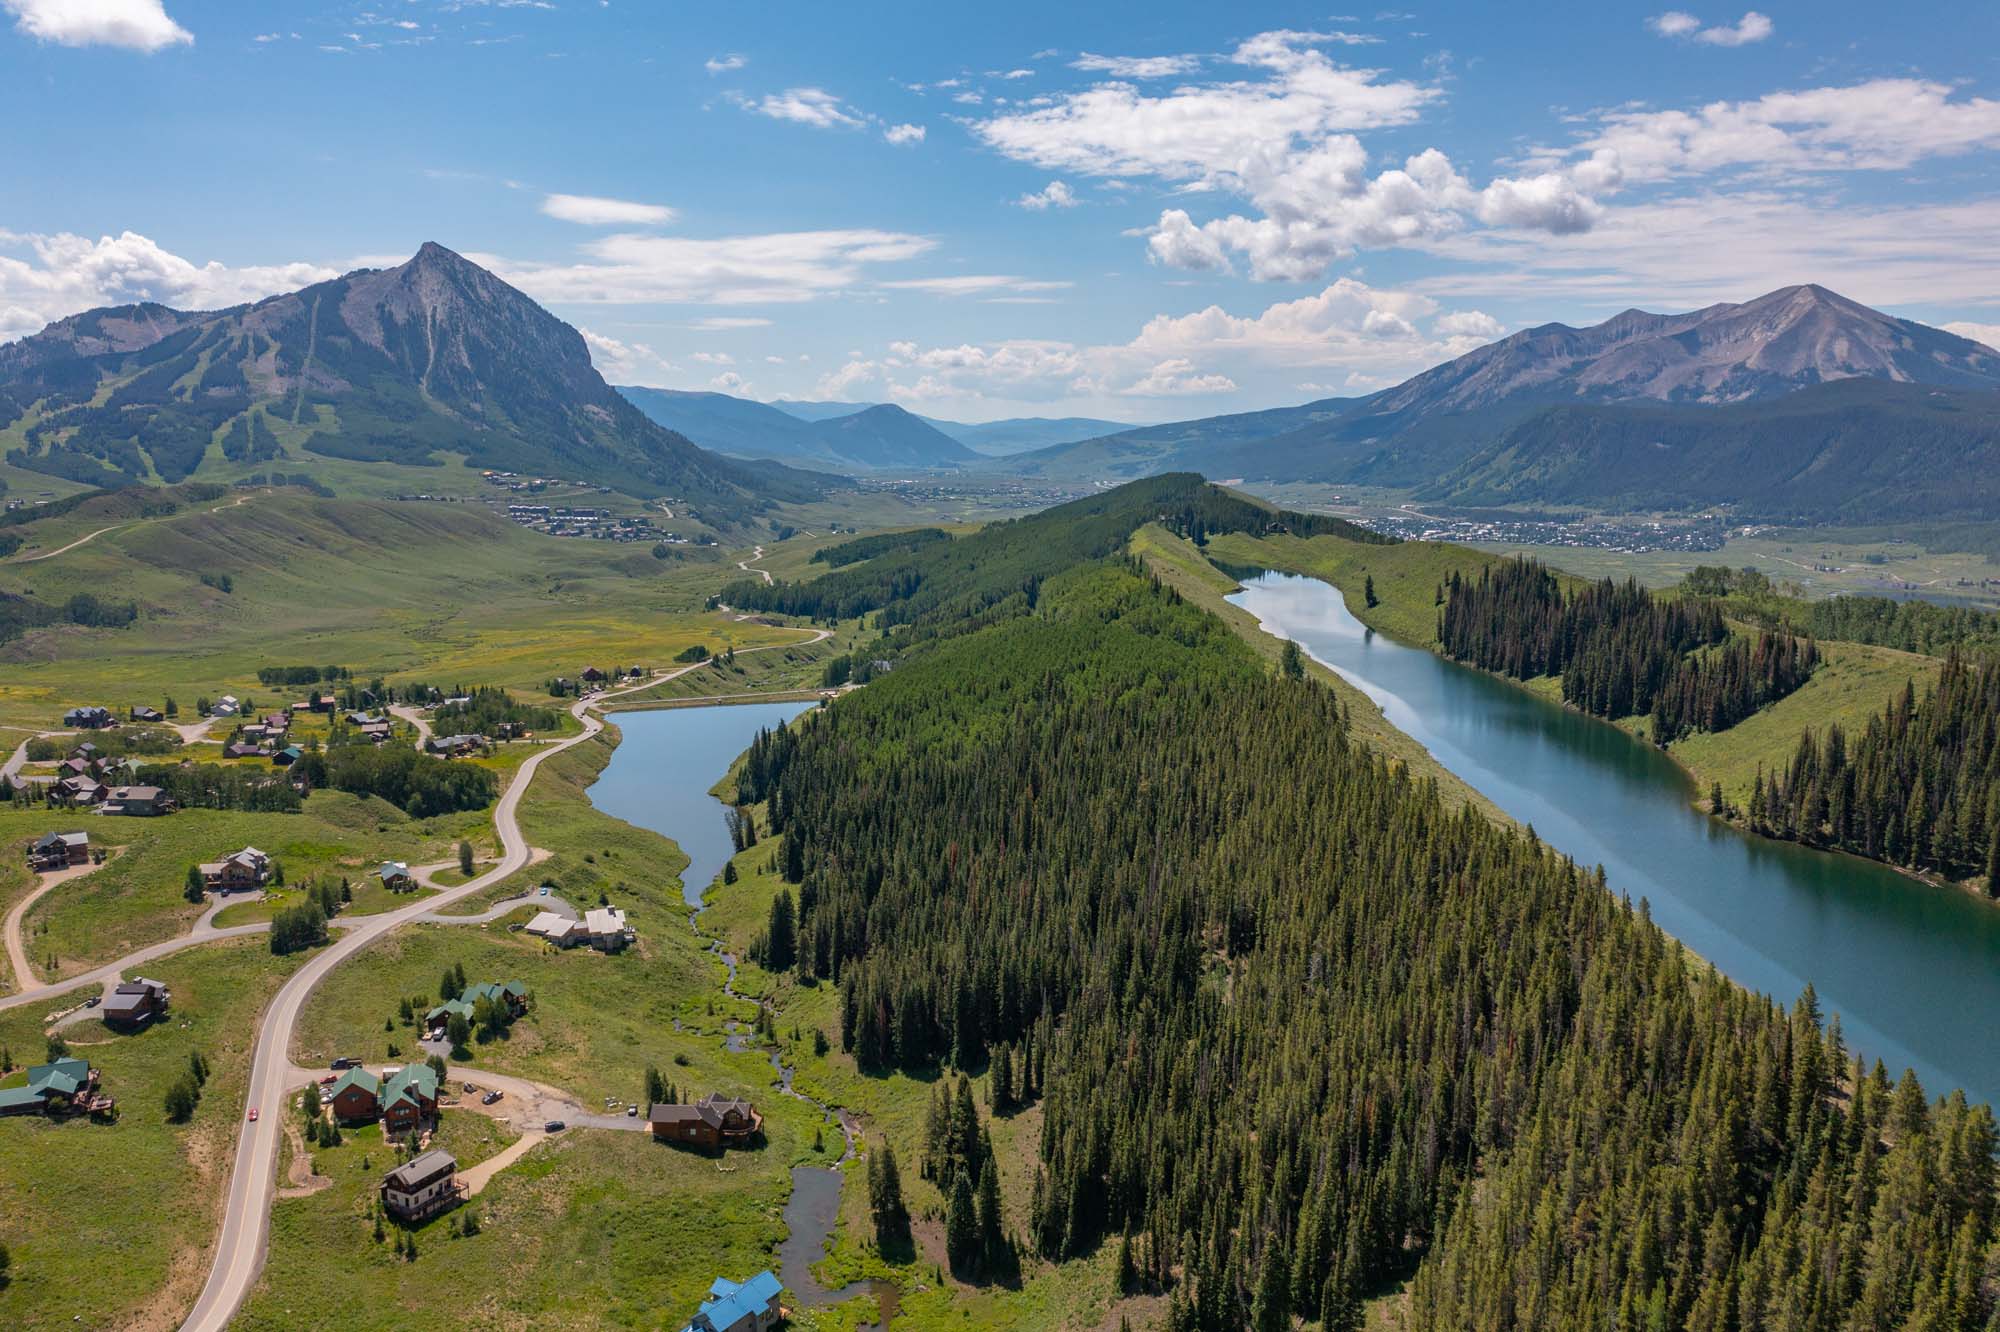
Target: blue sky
column 1003, row 210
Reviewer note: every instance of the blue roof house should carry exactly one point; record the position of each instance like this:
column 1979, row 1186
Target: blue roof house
column 751, row 1306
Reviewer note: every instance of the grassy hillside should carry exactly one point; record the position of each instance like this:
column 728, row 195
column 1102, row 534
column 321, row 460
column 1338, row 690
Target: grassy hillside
column 439, row 591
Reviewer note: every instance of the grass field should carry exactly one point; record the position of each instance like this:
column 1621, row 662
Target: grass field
column 407, row 591
column 136, row 898
column 110, row 1224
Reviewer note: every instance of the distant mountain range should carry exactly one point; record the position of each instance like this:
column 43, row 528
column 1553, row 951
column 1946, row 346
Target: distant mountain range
column 1794, row 404
column 864, row 435
column 408, row 365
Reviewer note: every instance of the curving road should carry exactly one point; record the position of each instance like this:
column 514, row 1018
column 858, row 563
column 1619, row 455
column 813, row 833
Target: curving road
column 253, row 1180
column 17, row 954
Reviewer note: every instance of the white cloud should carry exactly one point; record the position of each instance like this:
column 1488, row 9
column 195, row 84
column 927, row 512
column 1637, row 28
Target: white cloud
column 1055, row 194
column 634, row 269
column 714, row 358
column 974, row 284
column 729, row 323
column 1176, row 378
column 902, row 135
column 837, row 384
column 627, row 362
column 1284, row 141
column 723, row 64
column 137, row 25
column 729, row 382
column 46, row 277
column 593, row 211
column 1986, row 333
column 1752, row 27
column 1136, row 67
column 807, row 106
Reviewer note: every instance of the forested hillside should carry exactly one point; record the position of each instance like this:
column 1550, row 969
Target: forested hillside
column 1296, row 1031
column 1620, row 650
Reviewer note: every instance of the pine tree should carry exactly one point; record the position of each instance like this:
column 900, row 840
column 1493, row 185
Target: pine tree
column 961, row 1225
column 196, row 888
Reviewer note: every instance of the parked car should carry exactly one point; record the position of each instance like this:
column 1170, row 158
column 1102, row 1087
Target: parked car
column 554, row 1126
column 490, row 1097
column 631, row 1111
column 545, row 887
column 92, row 1001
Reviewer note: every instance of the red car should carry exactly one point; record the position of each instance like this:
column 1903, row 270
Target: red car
column 253, row 1114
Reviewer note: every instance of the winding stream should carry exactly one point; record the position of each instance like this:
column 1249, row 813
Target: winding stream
column 659, row 778
column 1912, row 970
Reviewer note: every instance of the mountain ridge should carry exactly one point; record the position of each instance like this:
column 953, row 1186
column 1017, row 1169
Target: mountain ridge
column 436, row 356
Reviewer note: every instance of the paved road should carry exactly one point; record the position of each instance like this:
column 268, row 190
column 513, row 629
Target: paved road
column 416, row 719
column 108, row 975
column 20, row 754
column 253, row 1180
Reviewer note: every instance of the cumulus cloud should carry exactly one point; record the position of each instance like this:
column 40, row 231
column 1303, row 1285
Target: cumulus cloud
column 724, row 64
column 46, row 277
column 1055, row 194
column 1752, row 27
column 592, row 211
column 904, row 135
column 1349, row 332
column 807, row 106
column 1285, row 140
column 136, row 25
column 1986, row 333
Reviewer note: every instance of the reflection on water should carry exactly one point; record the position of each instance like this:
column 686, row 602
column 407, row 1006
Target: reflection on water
column 660, row 773
column 1910, row 969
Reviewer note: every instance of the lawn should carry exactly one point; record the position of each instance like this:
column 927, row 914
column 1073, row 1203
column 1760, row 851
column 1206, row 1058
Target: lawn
column 111, row 1224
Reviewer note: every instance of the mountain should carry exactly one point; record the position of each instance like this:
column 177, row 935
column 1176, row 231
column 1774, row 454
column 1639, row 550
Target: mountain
column 995, row 439
column 1538, row 392
column 408, row 365
column 882, row 437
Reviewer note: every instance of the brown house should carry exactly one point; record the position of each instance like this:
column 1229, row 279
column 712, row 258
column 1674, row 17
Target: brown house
column 357, row 1097
column 138, row 801
column 714, row 1122
column 135, row 1003
column 54, row 851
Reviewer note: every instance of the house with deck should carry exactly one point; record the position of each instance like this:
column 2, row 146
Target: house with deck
column 421, row 1187
column 77, row 791
column 54, row 851
column 88, row 719
column 238, row 872
column 396, row 877
column 65, row 1086
column 142, row 802
column 712, row 1123
column 134, row 1003
column 560, row 930
column 607, row 929
column 746, row 1306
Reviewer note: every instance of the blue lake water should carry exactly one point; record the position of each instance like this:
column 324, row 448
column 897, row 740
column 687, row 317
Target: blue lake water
column 1912, row 970
column 659, row 776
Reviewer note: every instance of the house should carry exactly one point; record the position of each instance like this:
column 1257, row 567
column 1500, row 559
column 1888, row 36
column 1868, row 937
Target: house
column 77, row 790
column 324, row 703
column 135, row 1003
column 357, row 1096
column 715, row 1121
column 287, row 756
column 376, row 732
column 302, row 706
column 513, row 995
column 64, row 1086
column 54, row 851
column 280, row 722
column 137, row 801
column 591, row 675
column 256, row 733
column 88, row 719
column 440, row 1017
column 409, row 1098
column 607, row 929
column 239, row 872
column 452, row 746
column 146, row 714
column 226, row 706
column 396, row 877
column 749, row 1306
column 421, row 1187
column 362, row 719
column 562, row 931
column 243, row 749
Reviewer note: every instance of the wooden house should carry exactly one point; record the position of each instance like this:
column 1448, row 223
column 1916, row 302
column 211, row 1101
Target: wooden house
column 714, row 1122
column 421, row 1187
column 134, row 1003
column 357, row 1096
column 54, row 851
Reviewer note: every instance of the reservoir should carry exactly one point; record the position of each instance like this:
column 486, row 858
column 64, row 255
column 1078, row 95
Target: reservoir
column 659, row 776
column 1912, row 970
